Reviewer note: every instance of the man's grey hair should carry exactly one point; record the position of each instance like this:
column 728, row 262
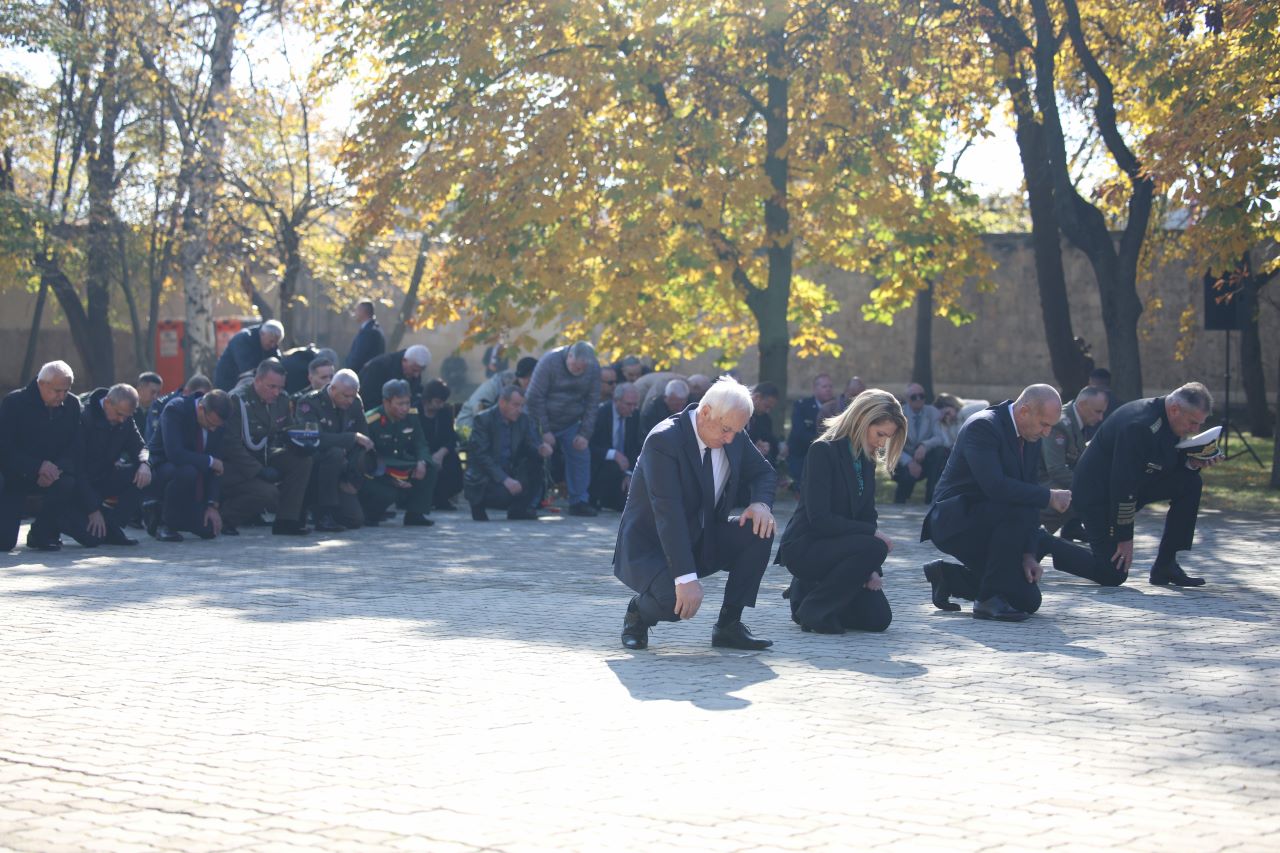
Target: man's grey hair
column 583, row 351
column 329, row 353
column 1038, row 397
column 1090, row 392
column 624, row 388
column 319, row 362
column 419, row 355
column 727, row 395
column 510, row 391
column 274, row 328
column 678, row 388
column 346, row 378
column 56, row 370
column 122, row 393
column 395, row 388
column 1193, row 395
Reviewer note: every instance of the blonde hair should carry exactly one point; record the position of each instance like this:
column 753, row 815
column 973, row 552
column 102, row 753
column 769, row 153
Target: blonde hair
column 871, row 407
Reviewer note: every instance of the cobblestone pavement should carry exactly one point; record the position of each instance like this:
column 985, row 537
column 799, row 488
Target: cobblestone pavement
column 457, row 690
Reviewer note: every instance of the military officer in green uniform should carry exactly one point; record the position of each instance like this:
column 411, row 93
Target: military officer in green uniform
column 1060, row 452
column 403, row 460
column 337, row 472
column 263, row 470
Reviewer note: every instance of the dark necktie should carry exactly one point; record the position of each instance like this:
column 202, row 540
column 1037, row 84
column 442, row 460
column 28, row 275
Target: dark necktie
column 709, row 480
column 200, row 449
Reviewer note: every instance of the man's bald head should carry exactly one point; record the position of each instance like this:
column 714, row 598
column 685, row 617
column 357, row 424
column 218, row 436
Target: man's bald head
column 1036, row 410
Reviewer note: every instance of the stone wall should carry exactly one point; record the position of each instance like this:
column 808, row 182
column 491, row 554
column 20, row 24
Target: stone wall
column 992, row 357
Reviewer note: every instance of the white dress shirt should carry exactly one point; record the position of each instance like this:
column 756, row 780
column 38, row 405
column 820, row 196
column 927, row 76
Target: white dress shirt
column 719, row 476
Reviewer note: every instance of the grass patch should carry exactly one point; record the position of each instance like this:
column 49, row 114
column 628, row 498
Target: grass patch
column 1238, row 484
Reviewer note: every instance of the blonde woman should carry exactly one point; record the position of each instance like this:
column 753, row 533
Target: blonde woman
column 832, row 546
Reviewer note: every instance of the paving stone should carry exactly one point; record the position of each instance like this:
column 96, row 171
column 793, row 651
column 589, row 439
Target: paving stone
column 463, row 688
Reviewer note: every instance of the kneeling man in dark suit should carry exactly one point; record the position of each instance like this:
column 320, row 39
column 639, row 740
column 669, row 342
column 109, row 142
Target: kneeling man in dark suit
column 986, row 510
column 676, row 526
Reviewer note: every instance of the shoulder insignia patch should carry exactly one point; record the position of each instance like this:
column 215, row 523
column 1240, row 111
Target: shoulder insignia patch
column 1155, row 427
column 1059, row 439
column 372, row 417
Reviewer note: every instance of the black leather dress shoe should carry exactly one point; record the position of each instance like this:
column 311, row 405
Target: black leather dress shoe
column 522, row 515
column 116, row 536
column 478, row 513
column 44, row 544
column 1173, row 574
column 288, row 528
column 326, row 523
column 583, row 510
column 738, row 636
column 230, row 530
column 998, row 609
column 635, row 634
column 935, row 573
column 417, row 519
column 165, row 533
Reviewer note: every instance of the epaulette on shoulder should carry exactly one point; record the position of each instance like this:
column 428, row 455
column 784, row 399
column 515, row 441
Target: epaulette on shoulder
column 413, row 410
column 372, row 416
column 1155, row 426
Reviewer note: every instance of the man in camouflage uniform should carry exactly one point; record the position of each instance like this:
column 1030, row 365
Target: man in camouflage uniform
column 403, row 460
column 337, row 470
column 1060, row 452
column 264, row 471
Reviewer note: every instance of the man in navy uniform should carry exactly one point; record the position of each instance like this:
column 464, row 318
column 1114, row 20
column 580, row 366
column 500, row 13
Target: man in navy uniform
column 1132, row 461
column 676, row 526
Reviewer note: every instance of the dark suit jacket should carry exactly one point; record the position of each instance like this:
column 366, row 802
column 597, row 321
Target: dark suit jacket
column 602, row 436
column 652, row 415
column 662, row 520
column 102, row 444
column 382, row 369
column 32, row 433
column 985, row 465
column 369, row 343
column 243, row 353
column 296, row 363
column 175, row 441
column 830, row 505
column 804, row 425
column 482, row 451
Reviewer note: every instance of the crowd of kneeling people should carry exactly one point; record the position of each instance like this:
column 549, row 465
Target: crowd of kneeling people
column 674, row 454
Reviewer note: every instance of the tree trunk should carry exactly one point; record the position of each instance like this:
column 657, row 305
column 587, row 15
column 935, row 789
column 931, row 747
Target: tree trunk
column 922, row 369
column 201, row 345
column 1116, row 269
column 33, row 336
column 770, row 306
column 1069, row 363
column 1251, row 374
column 126, row 287
column 1275, row 448
column 409, row 305
column 100, row 252
column 289, row 246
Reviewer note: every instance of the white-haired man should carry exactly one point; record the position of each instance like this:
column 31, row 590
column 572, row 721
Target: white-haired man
column 676, row 526
column 39, row 440
column 408, row 364
column 986, row 511
column 247, row 348
column 337, row 471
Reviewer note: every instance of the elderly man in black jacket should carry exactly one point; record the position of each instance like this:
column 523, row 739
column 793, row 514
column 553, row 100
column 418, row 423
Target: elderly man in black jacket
column 1132, row 461
column 245, row 351
column 408, row 364
column 505, row 460
column 186, row 451
column 114, row 463
column 39, row 445
column 986, row 511
column 676, row 526
column 615, row 446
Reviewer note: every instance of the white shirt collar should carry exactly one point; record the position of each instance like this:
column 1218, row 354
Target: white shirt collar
column 702, row 445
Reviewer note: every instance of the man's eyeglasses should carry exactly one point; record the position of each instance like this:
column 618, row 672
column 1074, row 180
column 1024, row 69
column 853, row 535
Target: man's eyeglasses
column 915, row 396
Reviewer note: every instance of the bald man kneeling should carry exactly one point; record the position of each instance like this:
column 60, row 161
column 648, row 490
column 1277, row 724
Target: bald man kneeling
column 986, row 511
